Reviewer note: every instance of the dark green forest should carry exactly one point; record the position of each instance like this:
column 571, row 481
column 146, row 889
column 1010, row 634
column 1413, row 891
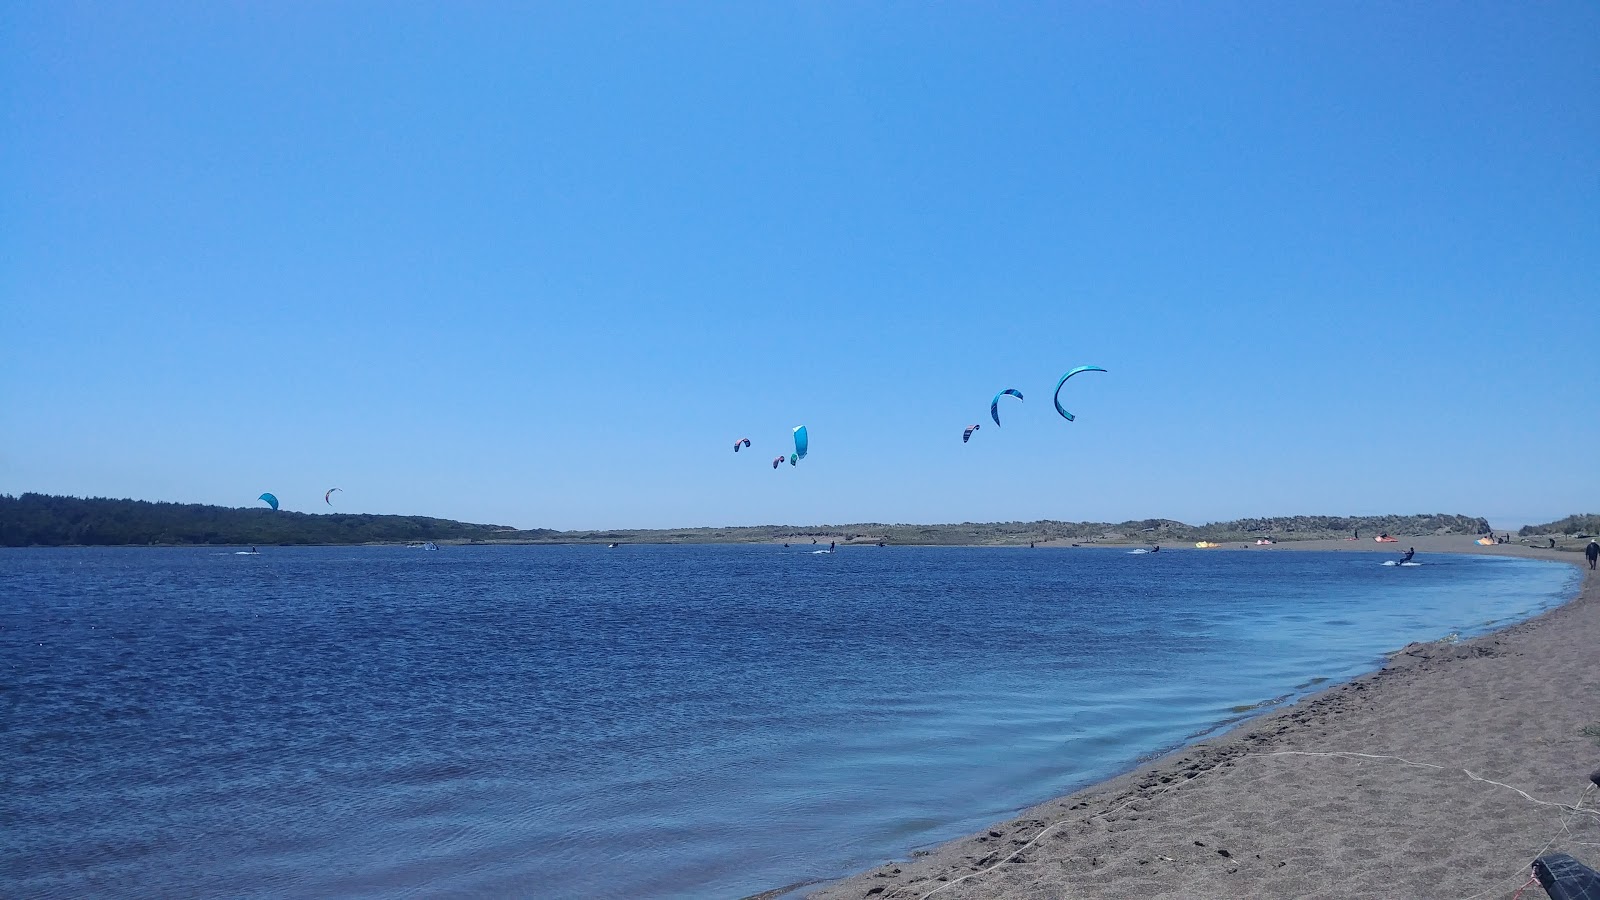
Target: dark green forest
column 46, row 520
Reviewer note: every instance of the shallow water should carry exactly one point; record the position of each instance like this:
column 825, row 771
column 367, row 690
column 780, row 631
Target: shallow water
column 642, row 722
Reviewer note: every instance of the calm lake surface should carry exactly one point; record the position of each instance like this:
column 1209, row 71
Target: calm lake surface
column 640, row 722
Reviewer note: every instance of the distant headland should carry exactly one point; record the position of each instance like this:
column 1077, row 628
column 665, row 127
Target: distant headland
column 50, row 521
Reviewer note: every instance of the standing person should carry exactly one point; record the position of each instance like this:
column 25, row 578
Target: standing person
column 1552, row 543
column 1591, row 553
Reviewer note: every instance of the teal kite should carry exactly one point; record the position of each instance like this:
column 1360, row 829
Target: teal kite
column 1064, row 414
column 800, row 442
column 994, row 405
column 271, row 500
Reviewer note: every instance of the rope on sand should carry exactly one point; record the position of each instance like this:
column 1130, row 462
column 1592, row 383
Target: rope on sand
column 1564, row 832
column 1575, row 808
column 1524, row 794
column 1046, row 830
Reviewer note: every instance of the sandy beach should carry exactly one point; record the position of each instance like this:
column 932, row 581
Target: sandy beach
column 1441, row 775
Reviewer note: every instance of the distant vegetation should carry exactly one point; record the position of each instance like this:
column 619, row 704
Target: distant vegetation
column 1585, row 523
column 44, row 520
column 1014, row 533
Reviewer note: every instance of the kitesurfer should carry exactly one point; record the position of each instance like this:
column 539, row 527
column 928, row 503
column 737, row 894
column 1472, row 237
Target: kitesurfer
column 1410, row 552
column 832, row 545
column 1156, row 549
column 1591, row 553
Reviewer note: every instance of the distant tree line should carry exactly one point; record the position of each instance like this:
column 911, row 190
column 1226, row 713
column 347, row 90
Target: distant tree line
column 46, row 520
column 1018, row 533
column 1582, row 523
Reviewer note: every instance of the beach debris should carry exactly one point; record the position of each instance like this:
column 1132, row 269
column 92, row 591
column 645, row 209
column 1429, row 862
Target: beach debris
column 994, row 405
column 1062, row 383
column 328, row 496
column 967, row 435
column 269, row 499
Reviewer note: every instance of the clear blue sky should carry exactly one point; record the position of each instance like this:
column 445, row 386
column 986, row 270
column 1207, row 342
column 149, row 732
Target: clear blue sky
column 541, row 264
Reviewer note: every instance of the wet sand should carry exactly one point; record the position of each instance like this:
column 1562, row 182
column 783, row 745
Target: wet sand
column 1441, row 775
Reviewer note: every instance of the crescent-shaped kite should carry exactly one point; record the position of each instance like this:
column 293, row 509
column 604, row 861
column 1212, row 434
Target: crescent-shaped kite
column 1064, row 414
column 994, row 405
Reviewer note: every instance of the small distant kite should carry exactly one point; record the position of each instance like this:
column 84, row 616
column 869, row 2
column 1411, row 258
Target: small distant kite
column 270, row 500
column 328, row 497
column 967, row 435
column 994, row 405
column 801, row 441
column 745, row 442
column 1064, row 414
column 777, row 461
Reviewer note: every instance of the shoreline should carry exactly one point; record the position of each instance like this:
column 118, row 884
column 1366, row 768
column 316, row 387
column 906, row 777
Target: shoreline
column 1412, row 780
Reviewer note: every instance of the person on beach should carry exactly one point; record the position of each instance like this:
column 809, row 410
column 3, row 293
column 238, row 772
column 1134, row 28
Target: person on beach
column 1592, row 553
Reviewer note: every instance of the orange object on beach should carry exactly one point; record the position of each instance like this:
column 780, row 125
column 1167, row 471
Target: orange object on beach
column 1385, row 539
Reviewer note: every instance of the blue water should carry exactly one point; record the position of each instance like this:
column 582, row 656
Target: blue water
column 640, row 722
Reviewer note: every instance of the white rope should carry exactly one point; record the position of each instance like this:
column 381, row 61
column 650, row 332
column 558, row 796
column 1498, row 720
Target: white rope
column 1350, row 753
column 1564, row 832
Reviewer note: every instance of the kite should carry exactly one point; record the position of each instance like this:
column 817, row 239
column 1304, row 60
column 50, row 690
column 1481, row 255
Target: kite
column 777, row 461
column 800, row 443
column 271, row 500
column 328, row 497
column 1064, row 414
column 744, row 441
column 967, row 435
column 994, row 405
